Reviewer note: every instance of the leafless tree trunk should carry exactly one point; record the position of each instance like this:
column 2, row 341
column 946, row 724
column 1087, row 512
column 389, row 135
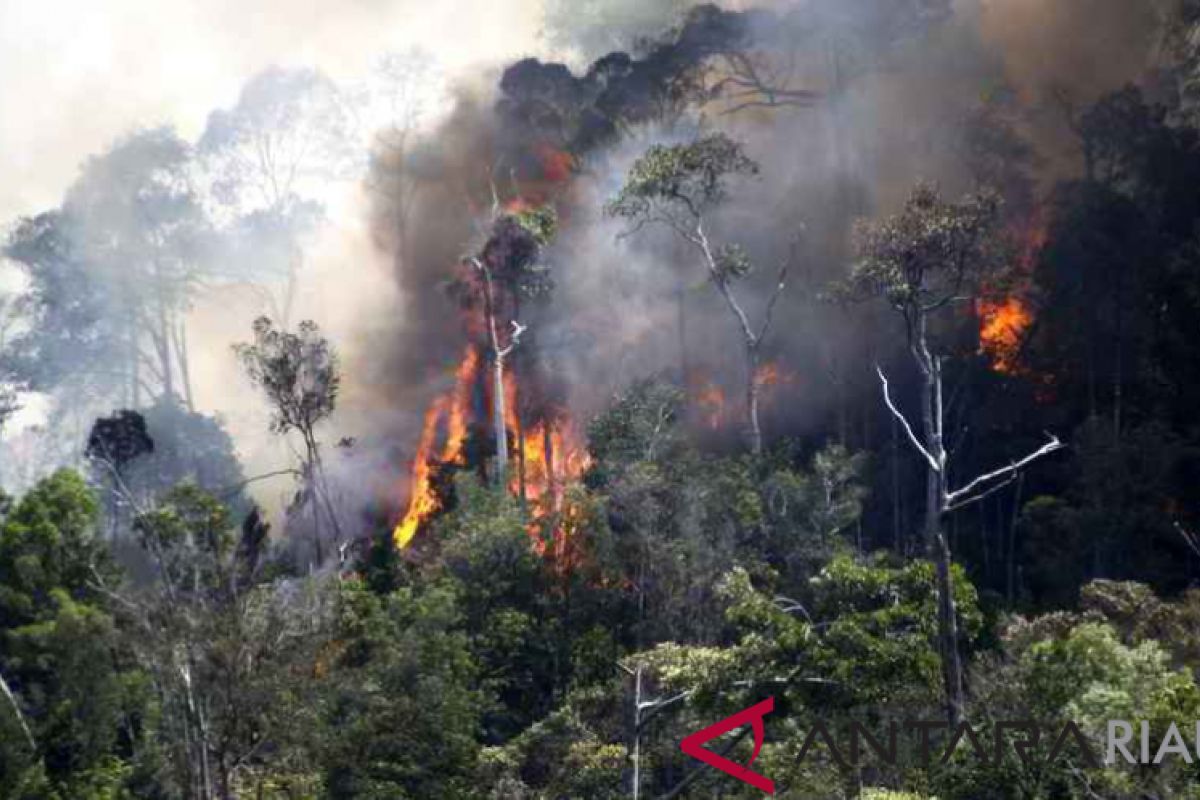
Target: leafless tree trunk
column 751, row 338
column 499, row 353
column 940, row 501
column 181, row 355
column 16, row 710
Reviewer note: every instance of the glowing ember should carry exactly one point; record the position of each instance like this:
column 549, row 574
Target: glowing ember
column 767, row 374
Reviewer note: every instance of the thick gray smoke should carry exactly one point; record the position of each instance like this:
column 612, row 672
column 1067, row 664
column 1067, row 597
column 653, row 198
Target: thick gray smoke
column 868, row 96
column 875, row 95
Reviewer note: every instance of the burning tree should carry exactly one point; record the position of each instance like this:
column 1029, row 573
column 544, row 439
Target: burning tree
column 922, row 261
column 507, row 267
column 681, row 186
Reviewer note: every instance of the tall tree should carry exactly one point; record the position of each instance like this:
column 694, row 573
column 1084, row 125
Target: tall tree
column 145, row 233
column 506, row 268
column 267, row 157
column 298, row 372
column 923, row 261
column 111, row 275
column 681, row 187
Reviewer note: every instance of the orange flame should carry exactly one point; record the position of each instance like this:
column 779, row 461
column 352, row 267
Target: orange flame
column 556, row 164
column 553, row 453
column 710, row 403
column 453, row 408
column 1003, row 322
column 1002, row 328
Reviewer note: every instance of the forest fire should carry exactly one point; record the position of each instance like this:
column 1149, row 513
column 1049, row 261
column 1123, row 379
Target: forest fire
column 709, row 399
column 451, row 409
column 1004, row 321
column 551, row 453
column 1002, row 327
column 489, row 285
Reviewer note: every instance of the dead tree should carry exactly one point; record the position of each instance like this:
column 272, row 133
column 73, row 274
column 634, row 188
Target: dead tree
column 500, row 350
column 507, row 267
column 923, row 260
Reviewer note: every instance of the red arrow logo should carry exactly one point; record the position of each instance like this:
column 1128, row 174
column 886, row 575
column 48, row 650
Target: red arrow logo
column 694, row 744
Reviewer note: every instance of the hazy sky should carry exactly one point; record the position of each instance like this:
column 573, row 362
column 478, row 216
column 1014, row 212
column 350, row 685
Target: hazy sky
column 75, row 74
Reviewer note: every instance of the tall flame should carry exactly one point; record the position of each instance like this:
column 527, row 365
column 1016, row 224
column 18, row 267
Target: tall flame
column 553, row 454
column 453, row 407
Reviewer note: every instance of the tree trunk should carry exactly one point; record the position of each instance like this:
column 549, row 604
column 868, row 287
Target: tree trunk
column 516, row 399
column 935, row 538
column 310, row 486
column 185, row 373
column 498, row 415
column 498, row 353
column 753, row 429
column 897, row 542
column 1010, row 570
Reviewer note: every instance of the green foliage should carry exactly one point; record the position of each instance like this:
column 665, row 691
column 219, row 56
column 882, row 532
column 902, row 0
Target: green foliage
column 1056, row 670
column 60, row 653
column 541, row 223
column 513, row 255
column 297, row 371
column 47, row 544
column 732, row 263
column 640, row 425
column 930, row 253
column 402, row 715
column 684, row 178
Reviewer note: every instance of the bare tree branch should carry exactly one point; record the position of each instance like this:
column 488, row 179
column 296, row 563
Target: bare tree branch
column 912, row 436
column 1192, row 541
column 12, row 701
column 976, row 498
column 954, row 499
column 780, row 285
